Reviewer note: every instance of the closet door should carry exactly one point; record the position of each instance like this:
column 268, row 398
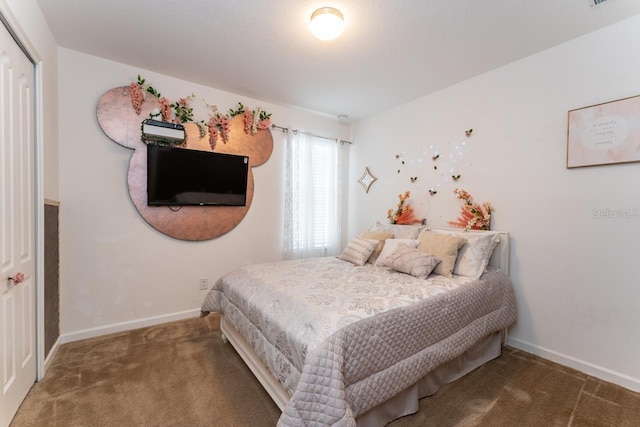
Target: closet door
column 17, row 228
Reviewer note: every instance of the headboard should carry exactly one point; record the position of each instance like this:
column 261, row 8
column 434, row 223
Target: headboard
column 500, row 257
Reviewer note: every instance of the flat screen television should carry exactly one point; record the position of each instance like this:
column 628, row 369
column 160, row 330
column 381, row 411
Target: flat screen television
column 184, row 177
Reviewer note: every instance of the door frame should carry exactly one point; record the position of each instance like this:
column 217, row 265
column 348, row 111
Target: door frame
column 11, row 23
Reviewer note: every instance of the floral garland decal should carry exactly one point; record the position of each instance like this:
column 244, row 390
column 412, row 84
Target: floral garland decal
column 404, row 213
column 181, row 111
column 253, row 120
column 472, row 215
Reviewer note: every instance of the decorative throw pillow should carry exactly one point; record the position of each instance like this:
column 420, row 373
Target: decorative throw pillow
column 413, row 261
column 358, row 250
column 400, row 231
column 390, row 246
column 444, row 247
column 474, row 255
column 380, row 236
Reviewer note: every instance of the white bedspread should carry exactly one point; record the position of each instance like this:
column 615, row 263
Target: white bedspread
column 342, row 339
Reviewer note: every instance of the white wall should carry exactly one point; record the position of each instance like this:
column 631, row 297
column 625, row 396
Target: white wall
column 27, row 20
column 117, row 271
column 575, row 276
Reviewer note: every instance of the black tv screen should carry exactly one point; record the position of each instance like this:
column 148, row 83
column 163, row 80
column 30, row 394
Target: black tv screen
column 184, row 177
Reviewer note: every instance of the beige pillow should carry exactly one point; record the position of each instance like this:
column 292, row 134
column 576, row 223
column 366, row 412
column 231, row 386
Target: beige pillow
column 358, row 250
column 380, row 236
column 413, row 261
column 390, row 246
column 444, row 247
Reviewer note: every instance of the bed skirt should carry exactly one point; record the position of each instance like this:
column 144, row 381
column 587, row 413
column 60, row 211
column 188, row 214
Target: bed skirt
column 404, row 403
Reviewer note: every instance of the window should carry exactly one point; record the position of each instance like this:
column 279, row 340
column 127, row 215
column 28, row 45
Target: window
column 312, row 208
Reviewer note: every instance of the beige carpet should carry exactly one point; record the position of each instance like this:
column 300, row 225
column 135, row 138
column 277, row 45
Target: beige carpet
column 182, row 374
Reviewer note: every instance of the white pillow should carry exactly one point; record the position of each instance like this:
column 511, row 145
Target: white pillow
column 400, row 231
column 380, row 236
column 358, row 250
column 473, row 256
column 390, row 246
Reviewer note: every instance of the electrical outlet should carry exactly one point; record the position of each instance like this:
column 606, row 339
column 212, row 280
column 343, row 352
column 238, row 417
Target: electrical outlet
column 204, row 283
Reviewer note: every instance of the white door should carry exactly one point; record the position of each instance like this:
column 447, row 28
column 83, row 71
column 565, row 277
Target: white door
column 17, row 228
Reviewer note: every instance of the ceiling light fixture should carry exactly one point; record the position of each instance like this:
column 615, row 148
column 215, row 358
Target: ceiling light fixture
column 327, row 23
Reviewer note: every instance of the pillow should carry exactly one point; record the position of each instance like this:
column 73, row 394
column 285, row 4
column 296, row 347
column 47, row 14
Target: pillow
column 474, row 255
column 380, row 236
column 390, row 245
column 444, row 247
column 358, row 250
column 413, row 261
column 400, row 231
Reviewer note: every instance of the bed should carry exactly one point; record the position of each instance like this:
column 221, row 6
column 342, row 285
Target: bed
column 335, row 343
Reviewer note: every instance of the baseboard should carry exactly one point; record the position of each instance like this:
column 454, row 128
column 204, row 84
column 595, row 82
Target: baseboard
column 127, row 326
column 52, row 354
column 588, row 368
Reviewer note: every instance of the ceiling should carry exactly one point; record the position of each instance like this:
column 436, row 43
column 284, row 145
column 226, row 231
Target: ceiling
column 391, row 52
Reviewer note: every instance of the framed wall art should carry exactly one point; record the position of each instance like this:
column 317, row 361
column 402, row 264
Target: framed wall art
column 604, row 134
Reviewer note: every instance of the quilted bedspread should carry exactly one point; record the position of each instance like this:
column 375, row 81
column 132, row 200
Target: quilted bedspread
column 343, row 339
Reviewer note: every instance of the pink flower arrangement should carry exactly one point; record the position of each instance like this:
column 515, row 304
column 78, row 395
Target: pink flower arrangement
column 224, row 122
column 137, row 90
column 472, row 215
column 248, row 121
column 183, row 110
column 218, row 125
column 404, row 213
column 264, row 124
column 256, row 119
column 165, row 109
column 213, row 133
column 137, row 97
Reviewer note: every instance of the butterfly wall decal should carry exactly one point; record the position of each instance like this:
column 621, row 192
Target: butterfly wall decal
column 413, row 178
column 432, row 192
column 468, row 132
column 455, row 177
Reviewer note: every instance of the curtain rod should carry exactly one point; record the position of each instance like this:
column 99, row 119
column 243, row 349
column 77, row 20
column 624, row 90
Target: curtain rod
column 296, row 131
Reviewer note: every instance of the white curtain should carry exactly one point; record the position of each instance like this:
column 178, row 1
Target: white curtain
column 312, row 199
